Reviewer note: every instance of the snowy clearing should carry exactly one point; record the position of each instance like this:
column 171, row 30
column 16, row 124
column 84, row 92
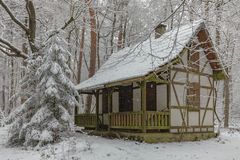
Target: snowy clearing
column 84, row 147
column 14, row 153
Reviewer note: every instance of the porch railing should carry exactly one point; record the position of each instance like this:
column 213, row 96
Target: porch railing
column 133, row 120
column 86, row 120
column 157, row 120
column 129, row 120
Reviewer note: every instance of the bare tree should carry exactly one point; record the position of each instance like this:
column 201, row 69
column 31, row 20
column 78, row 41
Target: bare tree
column 93, row 56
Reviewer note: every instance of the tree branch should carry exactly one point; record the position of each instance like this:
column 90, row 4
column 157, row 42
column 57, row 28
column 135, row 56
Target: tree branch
column 62, row 28
column 5, row 52
column 32, row 24
column 68, row 23
column 13, row 17
column 18, row 52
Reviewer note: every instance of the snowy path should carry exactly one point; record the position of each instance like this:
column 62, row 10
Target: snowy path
column 84, row 147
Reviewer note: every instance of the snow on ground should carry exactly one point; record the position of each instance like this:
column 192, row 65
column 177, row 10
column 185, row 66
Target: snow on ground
column 7, row 153
column 84, row 147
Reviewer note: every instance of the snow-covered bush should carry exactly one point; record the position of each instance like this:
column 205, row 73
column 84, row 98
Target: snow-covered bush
column 49, row 110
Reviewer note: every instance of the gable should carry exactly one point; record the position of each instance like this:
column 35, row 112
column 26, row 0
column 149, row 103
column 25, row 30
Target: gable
column 202, row 51
column 211, row 54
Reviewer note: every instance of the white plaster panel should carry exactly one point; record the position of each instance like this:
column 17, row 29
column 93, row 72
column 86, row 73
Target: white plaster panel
column 208, row 69
column 173, row 98
column 193, row 118
column 210, row 129
column 181, row 94
column 204, row 81
column 211, row 101
column 197, row 129
column 185, row 58
column 161, row 97
column 190, row 130
column 176, row 118
column 137, row 99
column 204, row 95
column 172, row 73
column 181, row 77
column 193, row 77
column 208, row 120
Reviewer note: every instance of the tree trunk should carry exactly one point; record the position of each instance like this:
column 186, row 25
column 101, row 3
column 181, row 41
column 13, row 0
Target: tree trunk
column 98, row 41
column 92, row 65
column 227, row 102
column 113, row 30
column 11, row 86
column 226, row 81
column 120, row 33
column 32, row 25
column 124, row 33
column 4, row 86
column 81, row 52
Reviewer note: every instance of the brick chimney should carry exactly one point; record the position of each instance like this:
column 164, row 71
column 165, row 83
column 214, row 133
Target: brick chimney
column 160, row 30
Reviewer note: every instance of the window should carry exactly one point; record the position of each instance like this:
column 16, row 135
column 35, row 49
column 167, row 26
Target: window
column 193, row 94
column 125, row 98
column 151, row 96
column 105, row 101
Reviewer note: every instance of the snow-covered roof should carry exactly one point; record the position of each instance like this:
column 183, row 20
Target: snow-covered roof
column 142, row 58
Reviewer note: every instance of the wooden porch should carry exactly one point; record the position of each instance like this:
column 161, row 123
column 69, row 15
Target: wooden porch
column 151, row 120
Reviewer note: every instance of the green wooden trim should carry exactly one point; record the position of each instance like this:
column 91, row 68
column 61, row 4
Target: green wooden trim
column 176, row 61
column 189, row 127
column 190, row 108
column 157, row 137
column 97, row 109
column 219, row 75
column 144, row 103
column 86, row 120
column 154, row 78
column 134, row 120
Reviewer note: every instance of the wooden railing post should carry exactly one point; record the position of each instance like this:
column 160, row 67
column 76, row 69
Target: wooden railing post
column 109, row 107
column 144, row 103
column 97, row 109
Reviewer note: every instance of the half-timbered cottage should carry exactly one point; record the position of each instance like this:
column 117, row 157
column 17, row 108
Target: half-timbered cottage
column 162, row 89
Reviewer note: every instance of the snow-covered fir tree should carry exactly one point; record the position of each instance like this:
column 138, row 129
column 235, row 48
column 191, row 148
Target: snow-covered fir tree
column 48, row 112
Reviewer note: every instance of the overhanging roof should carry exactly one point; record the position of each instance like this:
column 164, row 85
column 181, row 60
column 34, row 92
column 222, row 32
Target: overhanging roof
column 143, row 58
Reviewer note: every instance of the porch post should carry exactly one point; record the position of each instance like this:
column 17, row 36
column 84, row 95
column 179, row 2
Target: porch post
column 144, row 102
column 109, row 107
column 97, row 109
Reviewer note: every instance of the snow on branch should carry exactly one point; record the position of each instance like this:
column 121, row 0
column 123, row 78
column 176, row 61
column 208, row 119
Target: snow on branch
column 18, row 52
column 13, row 17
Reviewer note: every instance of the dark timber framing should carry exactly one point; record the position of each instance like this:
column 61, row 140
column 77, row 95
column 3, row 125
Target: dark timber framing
column 193, row 112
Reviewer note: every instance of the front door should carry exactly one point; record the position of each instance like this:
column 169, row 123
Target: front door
column 125, row 98
column 151, row 96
